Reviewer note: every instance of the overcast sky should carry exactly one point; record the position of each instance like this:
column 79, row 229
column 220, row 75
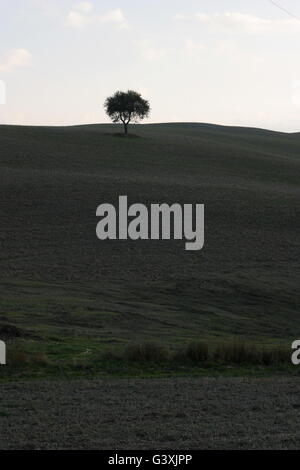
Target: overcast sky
column 231, row 62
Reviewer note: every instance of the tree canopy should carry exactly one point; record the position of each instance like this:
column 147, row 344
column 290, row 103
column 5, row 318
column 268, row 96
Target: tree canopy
column 126, row 107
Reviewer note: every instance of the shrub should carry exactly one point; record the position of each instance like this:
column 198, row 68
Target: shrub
column 40, row 359
column 146, row 352
column 275, row 356
column 282, row 355
column 247, row 354
column 17, row 358
column 196, row 352
column 237, row 353
column 267, row 357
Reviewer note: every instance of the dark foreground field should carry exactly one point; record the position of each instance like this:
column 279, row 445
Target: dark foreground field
column 151, row 414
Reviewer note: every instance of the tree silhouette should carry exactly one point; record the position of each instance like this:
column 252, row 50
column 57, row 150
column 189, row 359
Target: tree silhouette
column 126, row 107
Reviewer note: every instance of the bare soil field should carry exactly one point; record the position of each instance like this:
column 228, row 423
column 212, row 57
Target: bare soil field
column 179, row 413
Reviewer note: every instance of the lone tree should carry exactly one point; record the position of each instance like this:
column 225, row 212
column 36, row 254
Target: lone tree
column 126, row 107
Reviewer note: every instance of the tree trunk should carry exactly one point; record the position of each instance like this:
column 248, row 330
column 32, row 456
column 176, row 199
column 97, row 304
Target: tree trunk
column 125, row 128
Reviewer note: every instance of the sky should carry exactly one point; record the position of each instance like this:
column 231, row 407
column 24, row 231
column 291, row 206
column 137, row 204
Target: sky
column 231, row 62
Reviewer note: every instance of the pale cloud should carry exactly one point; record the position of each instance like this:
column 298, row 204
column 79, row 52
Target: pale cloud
column 76, row 20
column 43, row 5
column 16, row 58
column 153, row 54
column 82, row 15
column 233, row 22
column 193, row 48
column 151, row 51
column 85, row 6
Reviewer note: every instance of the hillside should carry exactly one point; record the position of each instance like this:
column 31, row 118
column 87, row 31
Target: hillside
column 56, row 274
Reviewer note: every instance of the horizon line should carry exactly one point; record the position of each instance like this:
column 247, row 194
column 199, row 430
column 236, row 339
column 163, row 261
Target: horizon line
column 150, row 124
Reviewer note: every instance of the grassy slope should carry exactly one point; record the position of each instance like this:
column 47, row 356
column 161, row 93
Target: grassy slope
column 80, row 295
